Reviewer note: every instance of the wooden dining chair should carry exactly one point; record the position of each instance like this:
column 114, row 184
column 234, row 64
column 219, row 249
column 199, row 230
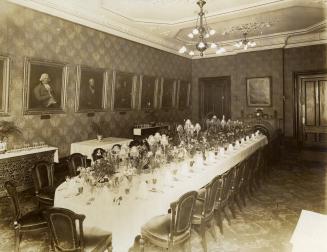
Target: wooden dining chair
column 23, row 223
column 98, row 153
column 167, row 231
column 76, row 160
column 203, row 213
column 68, row 234
column 43, row 178
column 223, row 198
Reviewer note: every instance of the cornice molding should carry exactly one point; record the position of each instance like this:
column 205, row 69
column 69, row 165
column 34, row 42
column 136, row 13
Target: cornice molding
column 307, row 36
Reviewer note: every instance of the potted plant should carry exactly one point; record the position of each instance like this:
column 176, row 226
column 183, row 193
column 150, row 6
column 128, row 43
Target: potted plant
column 7, row 129
column 99, row 129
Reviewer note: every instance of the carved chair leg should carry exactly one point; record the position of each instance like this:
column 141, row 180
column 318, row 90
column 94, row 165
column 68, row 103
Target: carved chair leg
column 232, row 209
column 219, row 220
column 238, row 203
column 213, row 230
column 18, row 237
column 203, row 236
column 142, row 242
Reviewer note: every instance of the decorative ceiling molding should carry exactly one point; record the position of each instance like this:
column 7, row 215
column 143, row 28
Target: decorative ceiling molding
column 163, row 37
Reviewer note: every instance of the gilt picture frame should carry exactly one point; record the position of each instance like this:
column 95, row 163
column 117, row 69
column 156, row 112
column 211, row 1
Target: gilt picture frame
column 123, row 91
column 44, row 87
column 4, row 85
column 259, row 91
column 148, row 99
column 167, row 93
column 183, row 94
column 91, row 89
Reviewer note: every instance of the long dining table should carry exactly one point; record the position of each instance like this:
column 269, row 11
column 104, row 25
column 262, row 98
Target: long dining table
column 124, row 209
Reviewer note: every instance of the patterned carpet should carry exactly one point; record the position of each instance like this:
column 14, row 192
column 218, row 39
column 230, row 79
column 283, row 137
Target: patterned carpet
column 266, row 223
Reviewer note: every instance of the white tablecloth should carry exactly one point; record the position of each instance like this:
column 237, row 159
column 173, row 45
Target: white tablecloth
column 25, row 152
column 87, row 147
column 141, row 203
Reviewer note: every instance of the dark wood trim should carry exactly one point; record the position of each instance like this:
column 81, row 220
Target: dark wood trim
column 296, row 104
column 202, row 80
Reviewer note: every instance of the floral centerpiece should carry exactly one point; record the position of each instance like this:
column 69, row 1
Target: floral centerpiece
column 99, row 128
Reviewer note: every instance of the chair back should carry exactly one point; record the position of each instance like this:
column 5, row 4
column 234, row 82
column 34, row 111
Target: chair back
column 66, row 229
column 238, row 171
column 12, row 192
column 98, row 153
column 43, row 175
column 225, row 190
column 182, row 212
column 210, row 196
column 74, row 161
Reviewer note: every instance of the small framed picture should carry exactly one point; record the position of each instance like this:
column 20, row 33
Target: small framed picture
column 183, row 94
column 91, row 89
column 4, row 85
column 123, row 91
column 258, row 92
column 44, row 86
column 167, row 94
column 148, row 92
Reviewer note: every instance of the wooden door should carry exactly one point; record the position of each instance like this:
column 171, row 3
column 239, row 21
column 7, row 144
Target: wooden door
column 313, row 110
column 215, row 96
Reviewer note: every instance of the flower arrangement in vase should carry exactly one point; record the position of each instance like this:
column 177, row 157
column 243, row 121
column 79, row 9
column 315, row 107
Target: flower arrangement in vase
column 99, row 128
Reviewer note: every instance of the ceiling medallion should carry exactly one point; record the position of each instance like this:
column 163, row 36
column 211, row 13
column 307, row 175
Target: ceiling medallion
column 201, row 33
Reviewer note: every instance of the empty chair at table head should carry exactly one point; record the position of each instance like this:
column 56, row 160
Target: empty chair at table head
column 75, row 161
column 98, row 153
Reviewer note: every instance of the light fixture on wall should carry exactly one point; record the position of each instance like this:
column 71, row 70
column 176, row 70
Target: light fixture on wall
column 201, row 33
column 245, row 43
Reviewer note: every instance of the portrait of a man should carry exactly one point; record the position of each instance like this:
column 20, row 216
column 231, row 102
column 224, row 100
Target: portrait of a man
column 44, row 87
column 123, row 91
column 44, row 94
column 148, row 92
column 183, row 94
column 167, row 93
column 91, row 89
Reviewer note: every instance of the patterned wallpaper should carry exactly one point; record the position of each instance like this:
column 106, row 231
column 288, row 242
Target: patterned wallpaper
column 24, row 32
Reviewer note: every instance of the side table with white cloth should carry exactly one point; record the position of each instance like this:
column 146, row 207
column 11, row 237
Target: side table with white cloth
column 86, row 147
column 16, row 165
column 310, row 233
column 125, row 210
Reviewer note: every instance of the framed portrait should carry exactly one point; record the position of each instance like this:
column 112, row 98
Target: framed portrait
column 168, row 90
column 123, row 91
column 91, row 87
column 183, row 94
column 44, row 86
column 258, row 92
column 4, row 84
column 148, row 91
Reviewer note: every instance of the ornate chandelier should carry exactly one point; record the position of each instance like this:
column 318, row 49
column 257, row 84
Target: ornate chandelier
column 245, row 43
column 201, row 32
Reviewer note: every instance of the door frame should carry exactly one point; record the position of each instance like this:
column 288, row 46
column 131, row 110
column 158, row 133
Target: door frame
column 201, row 82
column 297, row 122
